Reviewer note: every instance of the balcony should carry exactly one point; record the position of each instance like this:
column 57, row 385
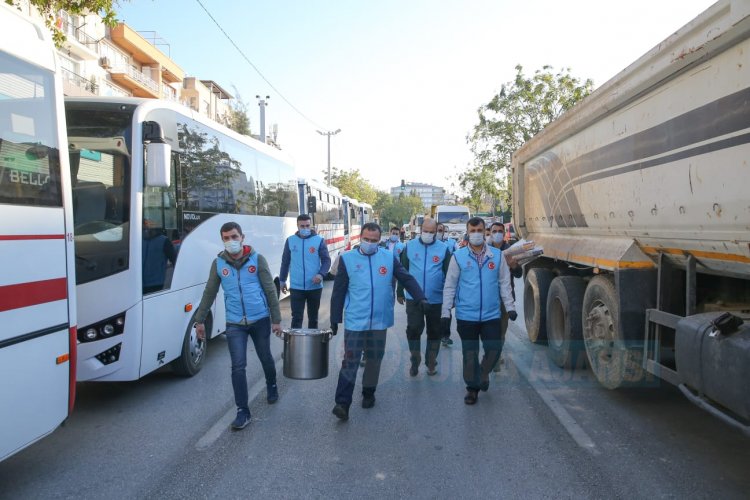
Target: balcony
column 135, row 81
column 79, row 42
column 76, row 85
column 145, row 53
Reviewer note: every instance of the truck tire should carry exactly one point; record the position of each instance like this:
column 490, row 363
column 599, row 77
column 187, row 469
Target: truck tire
column 611, row 361
column 535, row 290
column 564, row 325
column 193, row 352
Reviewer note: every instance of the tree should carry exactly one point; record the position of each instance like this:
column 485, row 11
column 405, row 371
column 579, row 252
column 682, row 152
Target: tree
column 49, row 11
column 352, row 184
column 397, row 211
column 521, row 109
column 239, row 120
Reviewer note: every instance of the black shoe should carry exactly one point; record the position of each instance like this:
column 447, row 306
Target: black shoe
column 341, row 411
column 447, row 342
column 483, row 386
column 414, row 370
column 241, row 420
column 272, row 394
column 471, row 397
column 431, row 371
column 368, row 401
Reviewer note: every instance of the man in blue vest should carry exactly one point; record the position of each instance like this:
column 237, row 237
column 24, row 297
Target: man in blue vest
column 427, row 260
column 478, row 276
column 307, row 254
column 452, row 245
column 394, row 243
column 249, row 299
column 363, row 295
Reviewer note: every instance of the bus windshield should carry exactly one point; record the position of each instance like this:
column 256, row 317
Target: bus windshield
column 100, row 174
column 453, row 217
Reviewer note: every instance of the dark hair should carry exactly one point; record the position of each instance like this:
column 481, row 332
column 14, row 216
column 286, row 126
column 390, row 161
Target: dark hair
column 394, row 228
column 497, row 224
column 303, row 217
column 371, row 226
column 229, row 226
column 475, row 221
column 440, row 224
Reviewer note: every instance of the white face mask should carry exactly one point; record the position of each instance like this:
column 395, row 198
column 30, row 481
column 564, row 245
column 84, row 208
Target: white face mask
column 441, row 236
column 233, row 246
column 497, row 237
column 427, row 238
column 476, row 239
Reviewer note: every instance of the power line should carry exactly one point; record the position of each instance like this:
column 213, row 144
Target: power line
column 303, row 115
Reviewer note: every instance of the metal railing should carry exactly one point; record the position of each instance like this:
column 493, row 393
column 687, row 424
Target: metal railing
column 79, row 81
column 71, row 31
column 136, row 75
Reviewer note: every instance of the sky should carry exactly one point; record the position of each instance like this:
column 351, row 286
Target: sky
column 402, row 79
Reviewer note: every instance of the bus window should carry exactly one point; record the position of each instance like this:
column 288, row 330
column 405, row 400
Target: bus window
column 160, row 233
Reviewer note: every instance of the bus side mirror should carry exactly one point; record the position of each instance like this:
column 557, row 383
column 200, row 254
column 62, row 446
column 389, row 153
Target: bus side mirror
column 158, row 156
column 312, row 204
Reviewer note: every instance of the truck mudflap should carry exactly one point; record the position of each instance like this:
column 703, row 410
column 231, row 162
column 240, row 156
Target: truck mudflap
column 712, row 354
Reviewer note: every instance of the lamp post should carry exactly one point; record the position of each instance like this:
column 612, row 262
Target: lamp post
column 329, row 134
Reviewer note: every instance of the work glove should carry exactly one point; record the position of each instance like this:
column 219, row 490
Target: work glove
column 445, row 327
column 335, row 328
column 512, row 315
column 424, row 305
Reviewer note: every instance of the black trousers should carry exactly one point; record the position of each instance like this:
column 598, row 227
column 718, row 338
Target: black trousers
column 415, row 323
column 371, row 343
column 476, row 373
column 298, row 298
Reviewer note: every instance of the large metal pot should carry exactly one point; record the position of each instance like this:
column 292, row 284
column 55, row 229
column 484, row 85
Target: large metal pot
column 306, row 353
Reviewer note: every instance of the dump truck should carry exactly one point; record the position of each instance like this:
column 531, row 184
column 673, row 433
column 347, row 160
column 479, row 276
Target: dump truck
column 638, row 197
column 454, row 217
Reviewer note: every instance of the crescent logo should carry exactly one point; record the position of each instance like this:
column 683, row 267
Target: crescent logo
column 225, row 272
column 491, row 265
column 382, row 270
column 436, row 259
column 312, row 249
column 251, row 269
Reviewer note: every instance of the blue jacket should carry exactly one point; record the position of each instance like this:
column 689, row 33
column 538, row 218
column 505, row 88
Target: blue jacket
column 363, row 290
column 478, row 291
column 308, row 257
column 427, row 263
column 397, row 248
column 244, row 299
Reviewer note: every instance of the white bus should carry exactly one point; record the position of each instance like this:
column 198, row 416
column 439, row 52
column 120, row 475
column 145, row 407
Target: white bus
column 136, row 301
column 324, row 204
column 37, row 285
column 356, row 214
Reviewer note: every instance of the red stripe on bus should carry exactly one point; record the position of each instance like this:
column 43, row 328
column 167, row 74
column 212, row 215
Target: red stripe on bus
column 355, row 237
column 331, row 241
column 73, row 351
column 17, row 237
column 32, row 293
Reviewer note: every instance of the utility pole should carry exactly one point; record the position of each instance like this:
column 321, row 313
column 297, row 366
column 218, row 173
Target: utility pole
column 329, row 134
column 262, row 103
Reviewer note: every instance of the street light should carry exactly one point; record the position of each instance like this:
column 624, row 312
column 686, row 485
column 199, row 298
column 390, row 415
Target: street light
column 329, row 134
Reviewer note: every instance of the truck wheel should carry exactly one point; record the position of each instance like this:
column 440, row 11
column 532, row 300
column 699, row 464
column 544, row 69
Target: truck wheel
column 193, row 353
column 611, row 361
column 535, row 289
column 564, row 326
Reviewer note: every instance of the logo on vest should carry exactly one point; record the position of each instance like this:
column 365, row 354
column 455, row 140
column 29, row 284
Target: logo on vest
column 312, row 249
column 225, row 272
column 491, row 265
column 436, row 259
column 251, row 269
column 382, row 270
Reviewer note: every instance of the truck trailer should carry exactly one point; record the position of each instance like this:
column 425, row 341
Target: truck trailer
column 638, row 196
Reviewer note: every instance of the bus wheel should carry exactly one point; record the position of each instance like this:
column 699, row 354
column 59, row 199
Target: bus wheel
column 564, row 326
column 193, row 353
column 535, row 289
column 609, row 357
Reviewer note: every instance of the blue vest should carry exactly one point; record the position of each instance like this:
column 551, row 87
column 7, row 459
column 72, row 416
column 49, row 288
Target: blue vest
column 451, row 244
column 305, row 262
column 426, row 265
column 478, row 290
column 397, row 248
column 369, row 299
column 243, row 294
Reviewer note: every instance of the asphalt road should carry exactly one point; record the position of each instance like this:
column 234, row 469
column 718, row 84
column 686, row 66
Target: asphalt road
column 538, row 432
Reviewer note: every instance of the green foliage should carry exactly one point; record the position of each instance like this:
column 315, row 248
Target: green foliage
column 397, row 211
column 352, row 184
column 521, row 109
column 239, row 120
column 49, row 10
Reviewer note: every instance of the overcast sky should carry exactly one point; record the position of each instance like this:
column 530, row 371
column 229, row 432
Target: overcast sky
column 402, row 79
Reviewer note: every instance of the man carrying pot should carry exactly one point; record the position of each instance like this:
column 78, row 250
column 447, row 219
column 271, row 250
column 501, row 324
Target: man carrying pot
column 363, row 295
column 249, row 299
column 305, row 259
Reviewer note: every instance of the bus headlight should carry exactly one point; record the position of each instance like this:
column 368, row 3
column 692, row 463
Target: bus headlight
column 120, row 321
column 104, row 329
column 108, row 330
column 90, row 334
